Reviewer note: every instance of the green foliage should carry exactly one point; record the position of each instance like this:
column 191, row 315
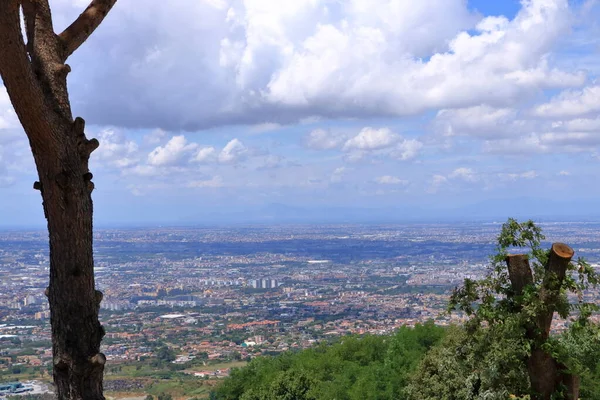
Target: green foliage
column 486, row 360
column 580, row 348
column 165, row 354
column 355, row 368
column 492, row 299
column 470, row 366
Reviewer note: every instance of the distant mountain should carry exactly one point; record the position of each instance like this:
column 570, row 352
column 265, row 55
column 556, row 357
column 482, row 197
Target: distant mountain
column 497, row 210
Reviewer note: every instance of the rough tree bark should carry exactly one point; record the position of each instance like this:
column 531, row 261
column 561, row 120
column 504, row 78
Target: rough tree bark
column 35, row 77
column 545, row 373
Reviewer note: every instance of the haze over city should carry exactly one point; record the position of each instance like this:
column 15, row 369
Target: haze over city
column 315, row 110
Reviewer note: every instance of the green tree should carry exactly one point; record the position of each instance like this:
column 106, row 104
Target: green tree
column 506, row 347
column 369, row 367
column 165, row 354
column 289, row 385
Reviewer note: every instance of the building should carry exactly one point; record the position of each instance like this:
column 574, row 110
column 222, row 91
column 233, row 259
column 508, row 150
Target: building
column 264, row 283
column 14, row 388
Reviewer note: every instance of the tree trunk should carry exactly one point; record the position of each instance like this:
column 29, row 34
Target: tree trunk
column 546, row 375
column 74, row 302
column 35, row 77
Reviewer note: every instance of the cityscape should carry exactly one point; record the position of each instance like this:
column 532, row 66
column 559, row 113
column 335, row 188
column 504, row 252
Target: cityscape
column 197, row 298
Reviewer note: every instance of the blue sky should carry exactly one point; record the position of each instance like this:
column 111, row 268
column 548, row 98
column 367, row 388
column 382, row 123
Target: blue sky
column 255, row 110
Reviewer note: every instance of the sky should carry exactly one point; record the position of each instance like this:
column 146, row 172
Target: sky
column 212, row 111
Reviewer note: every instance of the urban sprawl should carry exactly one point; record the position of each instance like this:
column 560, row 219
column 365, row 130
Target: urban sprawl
column 226, row 294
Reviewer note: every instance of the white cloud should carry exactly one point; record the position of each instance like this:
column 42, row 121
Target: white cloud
column 350, row 65
column 462, row 178
column 8, row 118
column 436, row 182
column 320, row 139
column 530, row 144
column 371, row 139
column 407, row 149
column 390, row 180
column 516, row 176
column 10, row 128
column 214, row 182
column 571, row 103
column 155, row 137
column 233, row 152
column 258, row 58
column 564, row 173
column 338, row 174
column 547, row 142
column 583, row 125
column 176, row 150
column 205, row 155
column 115, row 150
column 465, row 174
column 480, row 121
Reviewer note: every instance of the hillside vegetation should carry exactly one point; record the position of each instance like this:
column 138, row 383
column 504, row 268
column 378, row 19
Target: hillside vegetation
column 421, row 363
column 355, row 368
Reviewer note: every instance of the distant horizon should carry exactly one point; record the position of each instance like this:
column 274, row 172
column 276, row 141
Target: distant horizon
column 542, row 220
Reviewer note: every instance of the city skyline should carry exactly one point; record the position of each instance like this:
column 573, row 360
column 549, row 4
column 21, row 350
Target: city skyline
column 317, row 110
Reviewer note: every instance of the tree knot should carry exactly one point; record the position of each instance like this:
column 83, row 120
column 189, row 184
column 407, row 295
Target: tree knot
column 98, row 360
column 99, row 296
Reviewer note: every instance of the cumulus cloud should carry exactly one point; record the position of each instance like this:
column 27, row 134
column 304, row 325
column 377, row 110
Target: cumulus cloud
column 559, row 141
column 115, row 150
column 462, row 174
column 268, row 64
column 380, row 142
column 462, row 178
column 465, row 174
column 176, row 150
column 407, row 149
column 205, row 155
column 320, row 139
column 10, row 128
column 8, row 118
column 233, row 152
column 571, row 103
column 481, row 121
column 390, row 180
column 521, row 175
column 255, row 59
column 500, row 62
column 371, row 139
column 581, row 125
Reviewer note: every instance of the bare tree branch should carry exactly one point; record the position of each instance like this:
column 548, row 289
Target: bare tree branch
column 84, row 25
column 19, row 79
column 46, row 53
